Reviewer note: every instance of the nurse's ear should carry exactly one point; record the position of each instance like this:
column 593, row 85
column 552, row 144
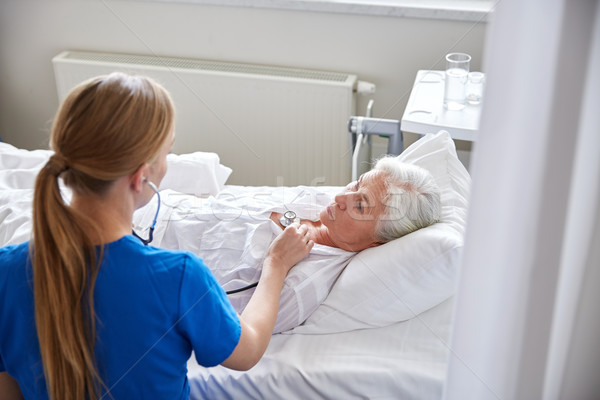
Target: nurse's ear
column 138, row 178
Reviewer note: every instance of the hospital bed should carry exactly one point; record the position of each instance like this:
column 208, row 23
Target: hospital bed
column 382, row 331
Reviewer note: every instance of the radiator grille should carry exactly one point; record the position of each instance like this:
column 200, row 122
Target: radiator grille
column 271, row 125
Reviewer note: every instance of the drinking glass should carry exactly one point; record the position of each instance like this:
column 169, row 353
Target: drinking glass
column 455, row 88
column 475, row 87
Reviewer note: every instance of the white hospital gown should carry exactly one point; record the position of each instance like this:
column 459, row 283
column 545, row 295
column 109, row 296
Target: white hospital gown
column 232, row 236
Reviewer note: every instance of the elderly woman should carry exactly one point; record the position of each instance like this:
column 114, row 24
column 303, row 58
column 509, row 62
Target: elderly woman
column 385, row 203
column 232, row 237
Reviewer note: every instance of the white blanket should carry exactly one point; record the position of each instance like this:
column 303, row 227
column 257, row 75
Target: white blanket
column 19, row 169
column 232, row 232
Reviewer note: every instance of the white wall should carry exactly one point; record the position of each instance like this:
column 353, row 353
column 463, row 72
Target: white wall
column 384, row 50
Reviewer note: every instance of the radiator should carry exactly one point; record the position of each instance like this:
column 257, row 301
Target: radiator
column 273, row 126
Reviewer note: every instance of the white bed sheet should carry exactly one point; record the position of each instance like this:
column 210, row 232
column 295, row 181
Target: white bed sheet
column 406, row 360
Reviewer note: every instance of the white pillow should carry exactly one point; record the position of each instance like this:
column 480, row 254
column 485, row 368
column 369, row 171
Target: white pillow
column 199, row 173
column 401, row 279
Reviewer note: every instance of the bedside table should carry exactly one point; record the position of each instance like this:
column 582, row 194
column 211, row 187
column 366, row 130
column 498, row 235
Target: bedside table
column 425, row 112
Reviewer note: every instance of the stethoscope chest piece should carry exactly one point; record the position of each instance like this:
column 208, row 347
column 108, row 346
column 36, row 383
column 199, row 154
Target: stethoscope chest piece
column 288, row 218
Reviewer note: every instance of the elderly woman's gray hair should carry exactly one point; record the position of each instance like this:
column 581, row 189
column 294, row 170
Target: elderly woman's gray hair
column 412, row 199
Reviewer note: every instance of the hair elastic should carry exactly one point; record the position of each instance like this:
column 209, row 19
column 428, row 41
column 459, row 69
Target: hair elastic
column 59, row 163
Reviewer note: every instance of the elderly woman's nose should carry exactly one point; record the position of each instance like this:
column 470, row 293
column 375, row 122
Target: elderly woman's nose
column 341, row 200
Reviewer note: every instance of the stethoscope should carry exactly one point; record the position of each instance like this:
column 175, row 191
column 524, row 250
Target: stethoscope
column 151, row 229
column 288, row 218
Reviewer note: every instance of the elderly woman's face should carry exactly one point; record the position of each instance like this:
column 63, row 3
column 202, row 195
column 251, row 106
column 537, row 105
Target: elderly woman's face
column 352, row 217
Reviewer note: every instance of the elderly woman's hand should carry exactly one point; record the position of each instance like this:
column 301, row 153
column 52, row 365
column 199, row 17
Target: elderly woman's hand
column 290, row 247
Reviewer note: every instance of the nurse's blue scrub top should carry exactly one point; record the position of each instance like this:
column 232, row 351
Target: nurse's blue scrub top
column 153, row 307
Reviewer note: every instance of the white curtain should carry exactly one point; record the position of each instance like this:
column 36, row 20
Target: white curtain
column 527, row 319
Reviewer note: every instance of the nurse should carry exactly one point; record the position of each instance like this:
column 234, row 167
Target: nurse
column 86, row 309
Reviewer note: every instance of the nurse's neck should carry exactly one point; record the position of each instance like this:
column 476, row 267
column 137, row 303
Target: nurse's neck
column 111, row 212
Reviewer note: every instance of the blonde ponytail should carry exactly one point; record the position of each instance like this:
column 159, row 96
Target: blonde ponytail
column 105, row 129
column 64, row 311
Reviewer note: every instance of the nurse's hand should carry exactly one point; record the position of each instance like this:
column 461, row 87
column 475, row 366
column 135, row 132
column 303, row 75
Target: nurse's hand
column 258, row 318
column 290, row 247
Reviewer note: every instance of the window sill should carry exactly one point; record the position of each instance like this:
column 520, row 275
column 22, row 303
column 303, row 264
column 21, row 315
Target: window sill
column 457, row 10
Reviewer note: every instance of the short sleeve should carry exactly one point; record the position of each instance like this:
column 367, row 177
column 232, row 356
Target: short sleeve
column 2, row 368
column 207, row 317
